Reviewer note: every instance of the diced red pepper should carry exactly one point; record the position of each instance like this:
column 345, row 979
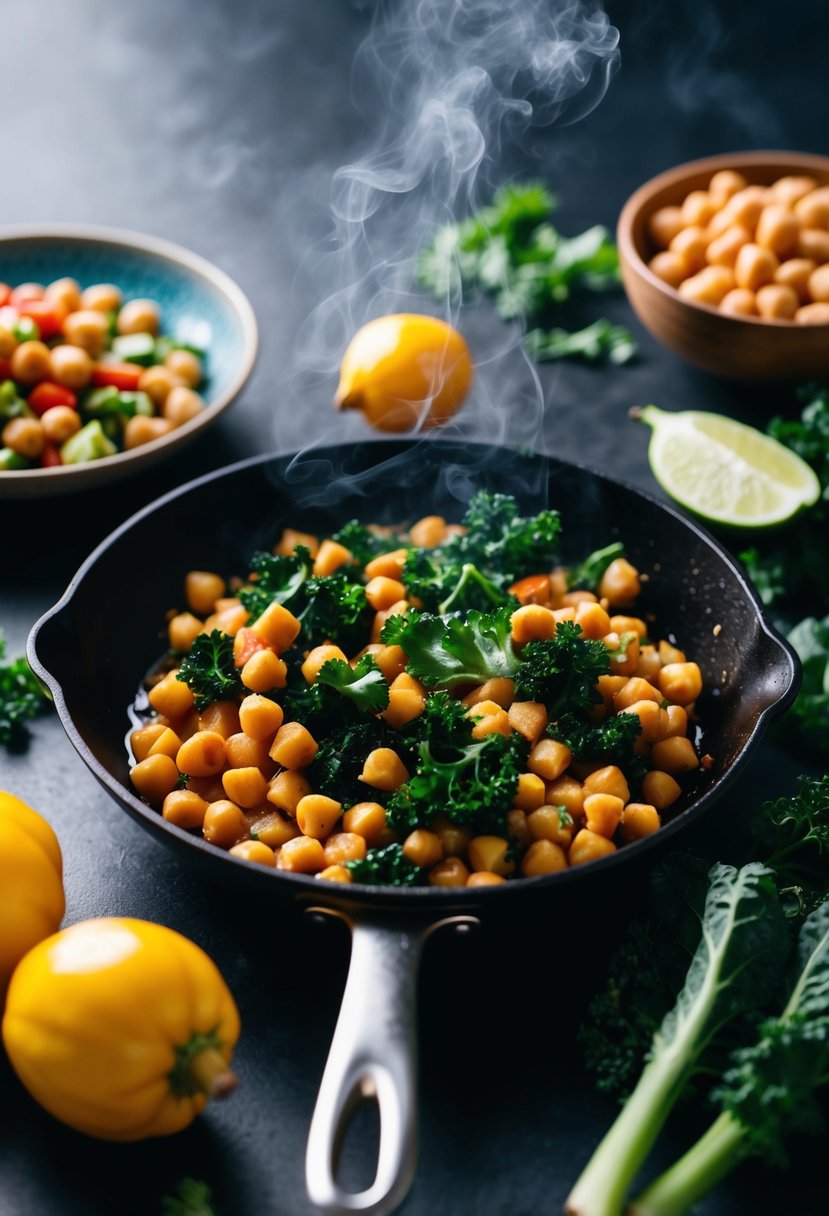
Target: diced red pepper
column 47, row 394
column 48, row 320
column 25, row 293
column 5, row 293
column 50, row 457
column 123, row 376
column 5, row 370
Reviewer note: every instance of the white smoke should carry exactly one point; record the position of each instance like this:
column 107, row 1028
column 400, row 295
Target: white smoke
column 450, row 91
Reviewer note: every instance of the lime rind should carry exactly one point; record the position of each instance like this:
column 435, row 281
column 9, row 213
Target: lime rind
column 725, row 471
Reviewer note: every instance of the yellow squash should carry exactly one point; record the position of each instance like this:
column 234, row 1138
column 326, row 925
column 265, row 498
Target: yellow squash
column 31, row 884
column 405, row 370
column 121, row 1028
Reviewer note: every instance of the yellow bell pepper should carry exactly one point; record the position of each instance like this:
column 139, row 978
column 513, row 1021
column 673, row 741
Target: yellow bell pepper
column 121, row 1028
column 405, row 369
column 31, row 884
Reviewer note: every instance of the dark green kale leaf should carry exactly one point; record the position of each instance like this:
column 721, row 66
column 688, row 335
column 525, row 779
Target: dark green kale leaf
column 365, row 543
column 449, row 651
column 343, row 749
column 562, row 671
column 278, row 579
column 364, row 683
column 471, row 781
column 588, row 575
column 807, row 723
column 386, row 867
column 209, row 670
column 611, row 740
column 21, row 699
column 336, row 610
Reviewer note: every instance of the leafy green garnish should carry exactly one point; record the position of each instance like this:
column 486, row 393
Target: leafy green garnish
column 511, row 251
column 365, row 543
column 611, row 740
column 471, row 781
column 191, row 1197
column 209, row 670
column 364, row 683
column 589, row 573
column 277, row 579
column 21, row 699
column 387, row 867
column 336, row 768
column 562, row 671
column 448, row 651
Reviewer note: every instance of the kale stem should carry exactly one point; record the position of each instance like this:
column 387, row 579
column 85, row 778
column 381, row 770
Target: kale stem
column 713, row 1156
column 470, row 574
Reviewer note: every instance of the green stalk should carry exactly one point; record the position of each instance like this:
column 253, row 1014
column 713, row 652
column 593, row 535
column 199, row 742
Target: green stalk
column 471, row 574
column 604, row 1183
column 712, row 1157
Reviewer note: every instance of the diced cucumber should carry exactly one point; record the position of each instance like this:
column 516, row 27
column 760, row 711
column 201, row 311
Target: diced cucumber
column 90, row 443
column 11, row 460
column 26, row 330
column 135, row 348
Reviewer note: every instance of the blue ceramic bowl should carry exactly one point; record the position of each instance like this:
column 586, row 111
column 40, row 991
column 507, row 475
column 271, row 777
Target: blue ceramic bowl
column 198, row 302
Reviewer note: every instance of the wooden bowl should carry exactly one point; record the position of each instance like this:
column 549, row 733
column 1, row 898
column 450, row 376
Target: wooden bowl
column 736, row 348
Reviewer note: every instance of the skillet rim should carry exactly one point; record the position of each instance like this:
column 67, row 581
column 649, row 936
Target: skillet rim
column 306, row 887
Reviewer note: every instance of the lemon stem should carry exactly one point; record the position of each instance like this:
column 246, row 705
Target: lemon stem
column 348, row 400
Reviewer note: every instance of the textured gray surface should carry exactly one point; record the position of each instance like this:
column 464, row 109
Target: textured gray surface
column 218, row 125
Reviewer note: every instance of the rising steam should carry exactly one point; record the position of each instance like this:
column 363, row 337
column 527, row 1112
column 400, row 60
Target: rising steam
column 450, row 90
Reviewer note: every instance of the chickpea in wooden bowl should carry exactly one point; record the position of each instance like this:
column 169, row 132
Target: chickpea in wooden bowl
column 726, row 261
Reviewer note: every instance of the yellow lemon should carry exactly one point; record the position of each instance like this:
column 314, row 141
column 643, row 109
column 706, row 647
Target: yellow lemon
column 403, row 370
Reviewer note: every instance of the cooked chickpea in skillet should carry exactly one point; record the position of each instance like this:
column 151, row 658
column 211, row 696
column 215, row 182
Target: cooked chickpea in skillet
column 444, row 706
column 86, row 374
column 748, row 250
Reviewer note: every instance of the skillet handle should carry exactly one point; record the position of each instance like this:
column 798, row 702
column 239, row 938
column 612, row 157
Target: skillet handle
column 373, row 1054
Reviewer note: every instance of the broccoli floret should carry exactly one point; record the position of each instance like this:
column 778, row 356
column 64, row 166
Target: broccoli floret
column 209, row 670
column 386, row 867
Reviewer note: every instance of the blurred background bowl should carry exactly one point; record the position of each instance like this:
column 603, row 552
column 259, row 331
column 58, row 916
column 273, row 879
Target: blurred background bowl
column 736, row 348
column 199, row 303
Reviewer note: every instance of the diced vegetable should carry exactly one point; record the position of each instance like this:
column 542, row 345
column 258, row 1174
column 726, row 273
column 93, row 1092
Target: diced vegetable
column 90, row 443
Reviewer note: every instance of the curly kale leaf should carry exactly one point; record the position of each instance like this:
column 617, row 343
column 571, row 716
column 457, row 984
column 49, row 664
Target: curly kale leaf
column 588, row 574
column 336, row 768
column 791, row 834
column 449, row 651
column 386, row 867
column 277, row 579
column 471, row 781
column 364, row 684
column 562, row 671
column 336, row 610
column 21, row 699
column 365, row 543
column 475, row 568
column 209, row 670
column 611, row 740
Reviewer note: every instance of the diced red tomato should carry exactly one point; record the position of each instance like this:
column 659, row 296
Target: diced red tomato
column 5, row 293
column 26, row 292
column 5, row 370
column 48, row 320
column 245, row 646
column 123, row 376
column 50, row 457
column 47, row 394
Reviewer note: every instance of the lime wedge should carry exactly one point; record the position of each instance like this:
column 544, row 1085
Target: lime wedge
column 725, row 471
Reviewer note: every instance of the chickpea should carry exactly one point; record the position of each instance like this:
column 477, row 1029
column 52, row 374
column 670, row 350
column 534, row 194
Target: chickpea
column 690, row 245
column 813, row 209
column 155, row 777
column 334, row 874
column 680, row 682
column 202, row 755
column 739, row 303
column 664, row 225
column 795, row 272
column 330, row 557
column 549, row 759
column 384, row 770
column 638, row 820
column 25, row 436
column 141, row 429
column 70, row 365
column 287, row 789
column 674, row 755
column 264, row 671
column 529, row 718
column 709, row 286
column 754, row 267
column 490, row 719
column 428, row 532
column 660, row 789
column 101, row 297
column 30, row 362
column 318, row 815
column 589, row 846
column 318, row 657
column 697, row 208
column 60, row 423
column 813, row 243
column 139, row 317
column 603, row 813
column 254, row 850
column 777, row 230
column 451, row 873
column 724, row 185
column 224, row 823
column 777, row 302
column 65, row 295
column 260, row 717
column 246, row 787
column 819, row 284
column 723, row 249
column 142, row 739
column 548, row 823
column 530, row 792
column 171, row 697
column 668, row 267
column 746, row 206
column 388, row 564
column 344, row 846
column 813, row 314
column 532, row 622
column 490, row 853
column 620, row 582
column 183, row 628
column 367, row 819
column 543, row 857
column 302, row 855
column 8, row 342
column 88, row 329
column 790, row 190
column 181, row 405
column 222, row 717
column 607, row 780
column 185, row 366
column 277, row 626
column 184, row 808
column 294, row 746
column 158, row 382
column 423, row 848
column 382, row 592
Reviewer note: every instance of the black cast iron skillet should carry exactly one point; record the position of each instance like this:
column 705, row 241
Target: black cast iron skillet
column 93, row 646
